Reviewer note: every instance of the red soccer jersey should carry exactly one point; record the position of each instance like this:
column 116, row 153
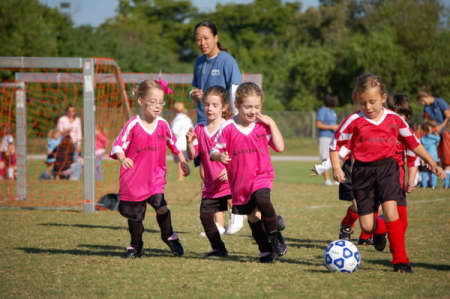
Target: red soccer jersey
column 371, row 141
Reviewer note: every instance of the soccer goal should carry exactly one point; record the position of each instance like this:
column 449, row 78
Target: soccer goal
column 39, row 94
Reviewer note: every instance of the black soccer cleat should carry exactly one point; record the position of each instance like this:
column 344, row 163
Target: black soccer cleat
column 216, row 252
column 379, row 241
column 281, row 223
column 345, row 232
column 278, row 245
column 403, row 268
column 267, row 259
column 176, row 247
column 368, row 241
column 132, row 253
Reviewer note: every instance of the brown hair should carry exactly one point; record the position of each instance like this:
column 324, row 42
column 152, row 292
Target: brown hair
column 331, row 101
column 141, row 90
column 179, row 107
column 223, row 95
column 247, row 89
column 365, row 82
column 213, row 28
column 423, row 93
column 399, row 103
column 428, row 126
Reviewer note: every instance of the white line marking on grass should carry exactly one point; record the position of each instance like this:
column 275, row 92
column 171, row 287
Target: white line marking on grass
column 320, row 207
column 427, row 200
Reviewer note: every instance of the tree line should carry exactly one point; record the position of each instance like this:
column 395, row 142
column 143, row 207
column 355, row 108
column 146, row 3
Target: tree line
column 303, row 55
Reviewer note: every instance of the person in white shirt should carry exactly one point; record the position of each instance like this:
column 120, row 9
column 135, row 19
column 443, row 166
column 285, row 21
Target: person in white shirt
column 180, row 126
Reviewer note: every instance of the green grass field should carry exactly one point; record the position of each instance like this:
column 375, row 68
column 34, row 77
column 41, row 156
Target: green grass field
column 73, row 254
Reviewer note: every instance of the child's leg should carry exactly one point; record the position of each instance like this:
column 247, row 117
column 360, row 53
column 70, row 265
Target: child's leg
column 433, row 180
column 396, row 232
column 135, row 213
column 259, row 233
column 219, row 218
column 208, row 208
column 348, row 222
column 136, row 229
column 424, row 179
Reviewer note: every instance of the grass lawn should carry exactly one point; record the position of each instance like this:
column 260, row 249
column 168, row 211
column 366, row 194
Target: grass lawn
column 73, row 254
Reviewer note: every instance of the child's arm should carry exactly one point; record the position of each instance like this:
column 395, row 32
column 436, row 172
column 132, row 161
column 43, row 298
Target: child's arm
column 190, row 137
column 183, row 164
column 223, row 158
column 277, row 138
column 424, row 155
column 412, row 172
column 442, row 125
column 338, row 174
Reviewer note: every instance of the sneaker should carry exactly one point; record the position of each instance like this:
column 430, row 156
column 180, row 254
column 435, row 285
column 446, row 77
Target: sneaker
column 280, row 222
column 345, row 232
column 368, row 241
column 132, row 253
column 328, row 183
column 235, row 224
column 278, row 245
column 335, row 183
column 175, row 246
column 266, row 258
column 321, row 168
column 403, row 268
column 216, row 252
column 379, row 241
column 219, row 228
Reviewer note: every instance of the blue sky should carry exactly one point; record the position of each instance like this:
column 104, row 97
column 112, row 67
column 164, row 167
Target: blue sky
column 94, row 12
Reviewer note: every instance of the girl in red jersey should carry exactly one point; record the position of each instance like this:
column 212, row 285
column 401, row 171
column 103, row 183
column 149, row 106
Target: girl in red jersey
column 372, row 134
column 216, row 189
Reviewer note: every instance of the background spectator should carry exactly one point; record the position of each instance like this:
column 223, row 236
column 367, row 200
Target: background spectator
column 101, row 142
column 180, row 126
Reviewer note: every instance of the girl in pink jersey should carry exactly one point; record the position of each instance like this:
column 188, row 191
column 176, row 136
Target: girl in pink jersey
column 372, row 134
column 216, row 189
column 141, row 150
column 242, row 146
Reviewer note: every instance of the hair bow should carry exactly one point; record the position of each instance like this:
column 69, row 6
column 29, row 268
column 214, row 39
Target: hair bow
column 164, row 85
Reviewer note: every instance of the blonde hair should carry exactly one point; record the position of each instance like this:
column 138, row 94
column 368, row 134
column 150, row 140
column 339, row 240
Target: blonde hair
column 365, row 82
column 179, row 107
column 144, row 87
column 52, row 133
column 247, row 89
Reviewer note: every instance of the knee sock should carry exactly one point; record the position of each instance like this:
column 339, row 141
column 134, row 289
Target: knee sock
column 403, row 214
column 211, row 231
column 350, row 218
column 364, row 235
column 268, row 215
column 260, row 236
column 380, row 227
column 136, row 229
column 396, row 235
column 165, row 224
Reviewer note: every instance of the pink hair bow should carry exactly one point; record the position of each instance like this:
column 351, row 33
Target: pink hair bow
column 164, row 85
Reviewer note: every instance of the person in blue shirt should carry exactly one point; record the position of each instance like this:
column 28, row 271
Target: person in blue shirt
column 430, row 142
column 434, row 108
column 216, row 67
column 326, row 123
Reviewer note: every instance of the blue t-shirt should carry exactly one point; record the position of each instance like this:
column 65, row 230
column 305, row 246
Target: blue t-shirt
column 436, row 110
column 221, row 70
column 328, row 117
column 430, row 143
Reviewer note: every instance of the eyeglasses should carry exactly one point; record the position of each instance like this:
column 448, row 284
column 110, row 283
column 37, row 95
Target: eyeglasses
column 155, row 103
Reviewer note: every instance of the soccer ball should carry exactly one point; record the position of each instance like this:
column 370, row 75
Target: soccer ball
column 342, row 256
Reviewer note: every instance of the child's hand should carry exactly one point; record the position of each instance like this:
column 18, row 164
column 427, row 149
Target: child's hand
column 339, row 175
column 438, row 171
column 225, row 158
column 409, row 188
column 127, row 163
column 264, row 118
column 190, row 136
column 223, row 176
column 185, row 168
column 197, row 94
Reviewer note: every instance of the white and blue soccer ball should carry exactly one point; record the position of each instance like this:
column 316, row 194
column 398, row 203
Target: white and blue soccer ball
column 342, row 256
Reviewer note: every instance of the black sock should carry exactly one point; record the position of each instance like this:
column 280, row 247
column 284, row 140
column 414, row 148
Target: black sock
column 268, row 215
column 260, row 236
column 211, row 231
column 165, row 224
column 136, row 229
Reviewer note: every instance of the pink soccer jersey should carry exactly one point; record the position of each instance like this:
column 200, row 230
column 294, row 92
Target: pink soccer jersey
column 147, row 149
column 371, row 141
column 250, row 167
column 212, row 186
